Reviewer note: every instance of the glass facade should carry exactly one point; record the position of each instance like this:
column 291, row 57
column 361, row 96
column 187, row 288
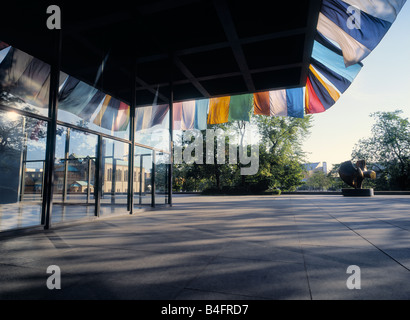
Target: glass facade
column 84, row 106
column 74, row 174
column 143, row 166
column 152, row 127
column 91, row 174
column 25, row 81
column 161, row 174
column 22, row 150
column 115, row 168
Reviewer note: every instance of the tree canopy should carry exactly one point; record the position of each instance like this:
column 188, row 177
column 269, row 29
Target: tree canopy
column 279, row 146
column 387, row 151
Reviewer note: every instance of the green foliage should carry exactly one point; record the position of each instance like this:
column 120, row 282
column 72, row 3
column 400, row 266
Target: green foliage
column 14, row 134
column 336, row 183
column 319, row 181
column 387, row 151
column 280, row 155
column 275, row 192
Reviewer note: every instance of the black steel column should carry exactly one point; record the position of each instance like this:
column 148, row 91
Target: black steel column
column 153, row 179
column 98, row 176
column 66, row 154
column 171, row 129
column 23, row 171
column 88, row 180
column 42, row 179
column 23, row 159
column 130, row 202
column 51, row 130
column 140, row 177
column 113, row 176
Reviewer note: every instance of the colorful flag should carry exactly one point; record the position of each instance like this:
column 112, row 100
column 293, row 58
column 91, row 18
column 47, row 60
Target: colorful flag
column 159, row 113
column 184, row 115
column 261, row 103
column 284, row 102
column 320, row 94
column 114, row 115
column 295, row 102
column 353, row 50
column 278, row 103
column 143, row 118
column 92, row 106
column 201, row 111
column 122, row 119
column 240, row 107
column 177, row 115
column 26, row 77
column 353, row 29
column 13, row 66
column 75, row 96
column 218, row 110
column 383, row 9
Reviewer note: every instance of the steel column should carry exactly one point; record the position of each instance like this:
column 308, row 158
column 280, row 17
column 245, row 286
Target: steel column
column 171, row 129
column 131, row 156
column 153, row 179
column 88, row 180
column 51, row 130
column 140, row 175
column 66, row 154
column 98, row 176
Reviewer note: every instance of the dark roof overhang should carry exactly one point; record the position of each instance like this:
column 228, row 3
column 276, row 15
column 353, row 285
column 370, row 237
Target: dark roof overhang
column 205, row 48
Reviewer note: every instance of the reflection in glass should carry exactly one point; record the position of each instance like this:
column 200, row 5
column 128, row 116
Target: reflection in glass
column 74, row 173
column 24, row 81
column 142, row 176
column 87, row 107
column 161, row 180
column 22, row 150
column 115, row 175
column 25, row 85
column 152, row 126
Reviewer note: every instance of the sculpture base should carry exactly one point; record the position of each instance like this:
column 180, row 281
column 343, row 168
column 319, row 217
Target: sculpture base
column 357, row 192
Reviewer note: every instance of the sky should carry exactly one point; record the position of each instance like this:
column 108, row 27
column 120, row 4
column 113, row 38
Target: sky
column 383, row 84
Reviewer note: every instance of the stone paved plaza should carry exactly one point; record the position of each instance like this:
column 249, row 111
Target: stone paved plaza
column 222, row 247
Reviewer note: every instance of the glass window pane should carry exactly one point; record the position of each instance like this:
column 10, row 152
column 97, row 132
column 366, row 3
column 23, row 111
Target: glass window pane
column 161, row 178
column 143, row 173
column 83, row 105
column 74, row 175
column 152, row 126
column 115, row 177
column 24, row 81
column 22, row 150
column 81, row 166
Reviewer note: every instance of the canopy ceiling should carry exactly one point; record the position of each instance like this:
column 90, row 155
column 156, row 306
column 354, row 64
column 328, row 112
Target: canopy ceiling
column 206, row 48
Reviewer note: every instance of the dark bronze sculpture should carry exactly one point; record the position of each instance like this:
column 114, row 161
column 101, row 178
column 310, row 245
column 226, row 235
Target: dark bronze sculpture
column 353, row 175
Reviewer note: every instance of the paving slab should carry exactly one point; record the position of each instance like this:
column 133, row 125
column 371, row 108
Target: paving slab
column 288, row 247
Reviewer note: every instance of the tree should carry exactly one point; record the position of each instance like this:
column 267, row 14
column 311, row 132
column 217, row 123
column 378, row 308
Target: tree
column 319, row 181
column 280, row 151
column 387, row 151
column 16, row 132
column 280, row 155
